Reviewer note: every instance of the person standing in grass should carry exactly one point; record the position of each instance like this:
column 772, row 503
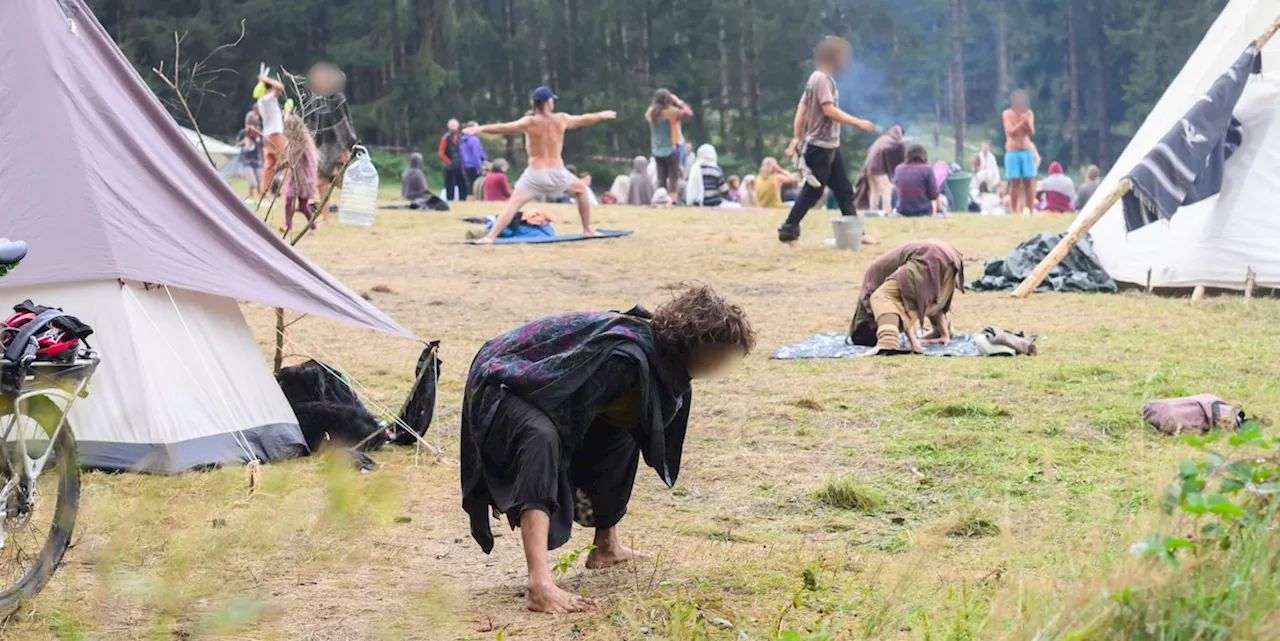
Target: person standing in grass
column 275, row 144
column 1020, row 158
column 450, row 152
column 546, row 175
column 558, row 412
column 666, row 140
column 817, row 138
column 473, row 160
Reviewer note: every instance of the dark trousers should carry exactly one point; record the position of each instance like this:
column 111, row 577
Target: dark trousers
column 669, row 174
column 522, row 462
column 455, row 184
column 470, row 176
column 828, row 167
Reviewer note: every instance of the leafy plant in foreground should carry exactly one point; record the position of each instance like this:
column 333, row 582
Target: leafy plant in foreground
column 1229, row 487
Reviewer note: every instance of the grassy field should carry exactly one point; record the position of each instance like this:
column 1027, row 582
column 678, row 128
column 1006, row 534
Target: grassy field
column 906, row 498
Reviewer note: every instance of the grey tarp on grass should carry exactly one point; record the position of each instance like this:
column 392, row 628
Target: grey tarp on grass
column 102, row 184
column 1080, row 271
column 837, row 345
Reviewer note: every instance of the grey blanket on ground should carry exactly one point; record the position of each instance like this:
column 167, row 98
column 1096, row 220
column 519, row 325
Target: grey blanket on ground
column 1080, row 271
column 837, row 345
column 1186, row 166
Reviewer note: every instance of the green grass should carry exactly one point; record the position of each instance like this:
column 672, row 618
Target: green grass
column 891, row 499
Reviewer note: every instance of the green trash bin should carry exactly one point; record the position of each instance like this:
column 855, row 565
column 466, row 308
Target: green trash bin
column 959, row 184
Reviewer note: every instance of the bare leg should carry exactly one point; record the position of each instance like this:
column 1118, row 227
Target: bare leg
column 579, row 193
column 1030, row 185
column 1015, row 192
column 543, row 594
column 610, row 551
column 518, row 200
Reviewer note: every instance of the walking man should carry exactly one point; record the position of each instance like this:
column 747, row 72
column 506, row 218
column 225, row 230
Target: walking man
column 1020, row 164
column 546, row 175
column 455, row 182
column 817, row 138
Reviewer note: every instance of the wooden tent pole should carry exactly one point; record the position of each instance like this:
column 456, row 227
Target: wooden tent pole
column 1069, row 241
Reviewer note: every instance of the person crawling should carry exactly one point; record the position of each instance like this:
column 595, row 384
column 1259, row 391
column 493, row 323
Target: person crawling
column 901, row 289
column 558, row 412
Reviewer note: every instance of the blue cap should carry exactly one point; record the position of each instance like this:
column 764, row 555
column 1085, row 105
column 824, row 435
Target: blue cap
column 543, row 94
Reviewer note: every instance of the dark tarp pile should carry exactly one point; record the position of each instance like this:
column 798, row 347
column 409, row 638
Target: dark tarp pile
column 1080, row 271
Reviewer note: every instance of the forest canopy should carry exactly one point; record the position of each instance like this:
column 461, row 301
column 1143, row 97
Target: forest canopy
column 1093, row 68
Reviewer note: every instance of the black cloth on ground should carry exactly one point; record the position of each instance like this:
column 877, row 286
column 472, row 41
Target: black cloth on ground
column 1080, row 271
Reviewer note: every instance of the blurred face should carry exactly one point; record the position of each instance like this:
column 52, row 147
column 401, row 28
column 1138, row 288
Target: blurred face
column 453, row 126
column 986, row 147
column 1020, row 102
column 324, row 79
column 713, row 361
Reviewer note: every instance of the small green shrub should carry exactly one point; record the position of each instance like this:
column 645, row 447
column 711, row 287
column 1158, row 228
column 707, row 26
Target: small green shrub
column 846, row 493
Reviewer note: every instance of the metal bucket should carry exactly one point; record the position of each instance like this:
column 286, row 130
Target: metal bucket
column 848, row 232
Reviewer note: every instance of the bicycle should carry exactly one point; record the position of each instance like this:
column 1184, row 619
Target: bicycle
column 45, row 367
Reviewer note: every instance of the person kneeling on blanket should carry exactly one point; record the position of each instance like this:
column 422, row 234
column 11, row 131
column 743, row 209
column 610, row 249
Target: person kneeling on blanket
column 558, row 412
column 908, row 284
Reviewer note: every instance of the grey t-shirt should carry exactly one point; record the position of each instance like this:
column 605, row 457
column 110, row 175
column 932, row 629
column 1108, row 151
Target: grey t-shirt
column 818, row 128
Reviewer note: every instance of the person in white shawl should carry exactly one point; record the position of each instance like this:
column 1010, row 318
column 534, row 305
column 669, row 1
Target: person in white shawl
column 988, row 171
column 706, row 186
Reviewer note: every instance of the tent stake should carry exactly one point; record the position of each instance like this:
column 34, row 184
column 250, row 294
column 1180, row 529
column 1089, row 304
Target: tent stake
column 1069, row 241
column 1250, row 279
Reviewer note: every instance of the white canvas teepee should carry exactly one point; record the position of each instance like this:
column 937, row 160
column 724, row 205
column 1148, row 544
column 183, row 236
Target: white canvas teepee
column 131, row 230
column 1216, row 241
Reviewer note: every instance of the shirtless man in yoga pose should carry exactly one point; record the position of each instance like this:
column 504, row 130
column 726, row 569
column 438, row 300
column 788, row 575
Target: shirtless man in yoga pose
column 546, row 176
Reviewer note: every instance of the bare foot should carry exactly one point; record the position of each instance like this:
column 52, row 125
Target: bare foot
column 868, row 239
column 482, row 241
column 602, row 558
column 590, row 233
column 550, row 599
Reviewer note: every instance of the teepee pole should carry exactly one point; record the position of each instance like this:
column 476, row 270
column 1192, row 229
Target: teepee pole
column 1069, row 241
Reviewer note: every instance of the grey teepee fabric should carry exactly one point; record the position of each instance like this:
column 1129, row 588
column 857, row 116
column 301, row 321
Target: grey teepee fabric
column 101, row 183
column 1186, row 166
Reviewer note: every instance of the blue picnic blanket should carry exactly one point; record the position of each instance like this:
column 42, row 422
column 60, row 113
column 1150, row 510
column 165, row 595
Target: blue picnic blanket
column 837, row 345
column 539, row 240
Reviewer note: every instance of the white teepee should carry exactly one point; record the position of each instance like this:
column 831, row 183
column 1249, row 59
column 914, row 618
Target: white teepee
column 1216, row 241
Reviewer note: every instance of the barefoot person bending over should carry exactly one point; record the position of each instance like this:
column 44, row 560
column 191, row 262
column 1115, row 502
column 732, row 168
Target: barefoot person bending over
column 546, row 176
column 558, row 412
column 901, row 289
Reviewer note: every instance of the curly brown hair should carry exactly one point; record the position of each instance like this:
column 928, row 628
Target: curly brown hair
column 697, row 317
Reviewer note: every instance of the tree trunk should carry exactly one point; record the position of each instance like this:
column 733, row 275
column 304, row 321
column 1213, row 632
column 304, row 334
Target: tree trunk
column 958, row 109
column 646, row 41
column 1002, row 49
column 1073, row 83
column 753, row 58
column 724, row 85
column 1100, row 88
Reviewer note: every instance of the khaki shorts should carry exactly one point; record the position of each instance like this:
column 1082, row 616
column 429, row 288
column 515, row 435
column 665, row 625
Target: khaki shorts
column 548, row 183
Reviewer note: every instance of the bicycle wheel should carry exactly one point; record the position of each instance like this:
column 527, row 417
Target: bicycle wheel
column 36, row 539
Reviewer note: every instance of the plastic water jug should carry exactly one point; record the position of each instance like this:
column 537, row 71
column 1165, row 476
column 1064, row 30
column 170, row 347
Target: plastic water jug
column 359, row 191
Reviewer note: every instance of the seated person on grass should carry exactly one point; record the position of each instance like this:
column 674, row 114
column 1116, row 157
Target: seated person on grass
column 558, row 412
column 916, row 185
column 908, row 284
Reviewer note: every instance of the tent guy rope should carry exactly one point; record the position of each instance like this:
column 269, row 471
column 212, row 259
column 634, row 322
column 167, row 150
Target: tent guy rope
column 1069, row 241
